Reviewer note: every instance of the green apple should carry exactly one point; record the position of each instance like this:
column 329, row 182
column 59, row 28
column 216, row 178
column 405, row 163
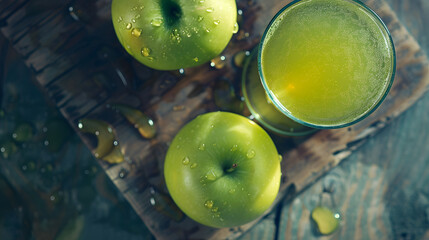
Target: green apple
column 222, row 170
column 173, row 34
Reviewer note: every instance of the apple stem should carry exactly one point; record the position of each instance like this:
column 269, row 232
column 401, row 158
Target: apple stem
column 231, row 169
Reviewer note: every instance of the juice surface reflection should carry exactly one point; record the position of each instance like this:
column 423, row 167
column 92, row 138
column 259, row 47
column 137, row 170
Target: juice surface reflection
column 327, row 63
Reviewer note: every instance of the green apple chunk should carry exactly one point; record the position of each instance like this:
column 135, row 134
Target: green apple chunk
column 222, row 170
column 173, row 34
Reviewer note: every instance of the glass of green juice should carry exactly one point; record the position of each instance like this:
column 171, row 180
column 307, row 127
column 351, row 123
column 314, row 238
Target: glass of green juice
column 321, row 64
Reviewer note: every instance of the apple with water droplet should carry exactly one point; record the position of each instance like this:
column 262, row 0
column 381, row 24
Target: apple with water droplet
column 174, row 34
column 222, row 170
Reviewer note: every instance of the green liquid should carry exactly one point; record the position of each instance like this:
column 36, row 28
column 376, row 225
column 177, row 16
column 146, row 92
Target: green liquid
column 261, row 106
column 327, row 62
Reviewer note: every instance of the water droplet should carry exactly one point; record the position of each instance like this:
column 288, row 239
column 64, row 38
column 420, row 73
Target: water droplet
column 152, row 201
column 209, row 10
column 201, row 1
column 207, row 30
column 185, row 161
column 202, row 147
column 234, row 148
column 46, row 143
column 235, row 28
column 123, row 173
column 175, row 36
column 74, row 13
column 232, row 191
column 145, row 51
column 326, row 221
column 156, row 22
column 196, row 59
column 97, row 133
column 194, row 165
column 211, row 176
column 215, row 209
column 242, row 189
column 150, row 58
column 251, row 154
column 133, row 20
column 136, row 32
column 208, row 204
column 200, row 18
column 216, row 22
column 182, row 71
column 218, row 62
column 128, row 26
column 120, row 19
column 134, row 8
column 23, row 132
column 280, row 158
column 240, row 12
column 137, row 16
column 239, row 59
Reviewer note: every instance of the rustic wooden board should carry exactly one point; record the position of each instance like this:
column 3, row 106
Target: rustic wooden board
column 79, row 71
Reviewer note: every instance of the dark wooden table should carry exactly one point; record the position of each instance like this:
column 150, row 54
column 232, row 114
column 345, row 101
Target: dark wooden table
column 381, row 189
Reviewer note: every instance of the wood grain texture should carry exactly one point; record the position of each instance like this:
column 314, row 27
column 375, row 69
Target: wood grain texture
column 71, row 66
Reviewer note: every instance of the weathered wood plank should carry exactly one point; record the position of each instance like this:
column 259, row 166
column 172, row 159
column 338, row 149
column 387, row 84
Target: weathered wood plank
column 82, row 84
column 10, row 7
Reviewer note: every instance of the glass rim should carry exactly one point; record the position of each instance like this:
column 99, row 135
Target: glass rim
column 283, row 109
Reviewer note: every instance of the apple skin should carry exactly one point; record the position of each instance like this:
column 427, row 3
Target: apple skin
column 173, row 34
column 222, row 170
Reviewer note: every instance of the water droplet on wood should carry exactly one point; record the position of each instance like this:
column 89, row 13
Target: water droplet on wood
column 123, row 173
column 218, row 62
column 139, row 120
